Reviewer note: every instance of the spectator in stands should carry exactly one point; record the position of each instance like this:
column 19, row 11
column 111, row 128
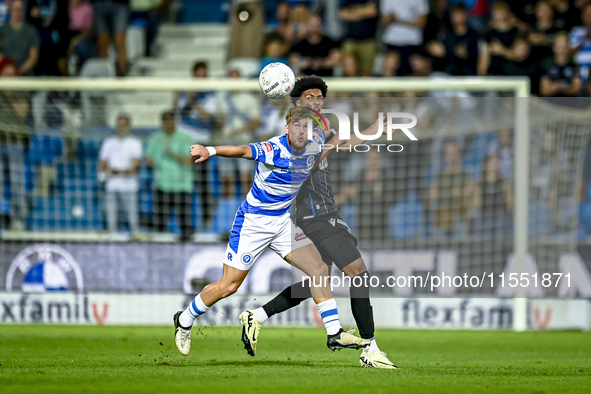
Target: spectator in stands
column 403, row 23
column 150, row 12
column 543, row 29
column 14, row 138
column 549, row 171
column 560, row 76
column 316, row 53
column 80, row 41
column 523, row 60
column 421, row 65
column 111, row 18
column 299, row 18
column 350, row 67
column 196, row 109
column 6, row 62
column 566, row 15
column 457, row 46
column 494, row 198
column 197, row 112
column 499, row 39
column 275, row 50
column 328, row 10
column 580, row 43
column 359, row 41
column 238, row 116
column 391, row 64
column 369, row 191
column 502, row 147
column 168, row 155
column 20, row 40
column 120, row 158
column 453, row 193
column 283, row 27
column 50, row 18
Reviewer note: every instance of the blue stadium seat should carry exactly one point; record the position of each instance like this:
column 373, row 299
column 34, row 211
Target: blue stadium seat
column 202, row 11
column 406, row 219
column 88, row 149
column 474, row 157
column 539, row 218
column 43, row 149
column 65, row 214
column 223, row 217
column 4, row 206
column 196, row 216
column 146, row 197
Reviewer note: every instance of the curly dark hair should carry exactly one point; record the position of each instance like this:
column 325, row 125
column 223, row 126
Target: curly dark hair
column 306, row 83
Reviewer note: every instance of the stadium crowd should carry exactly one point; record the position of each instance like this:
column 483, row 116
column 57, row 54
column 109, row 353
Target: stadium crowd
column 150, row 176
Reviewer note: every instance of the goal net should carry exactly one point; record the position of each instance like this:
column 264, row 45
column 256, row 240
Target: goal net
column 490, row 188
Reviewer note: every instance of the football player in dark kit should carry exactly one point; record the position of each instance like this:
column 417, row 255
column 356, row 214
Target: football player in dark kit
column 318, row 217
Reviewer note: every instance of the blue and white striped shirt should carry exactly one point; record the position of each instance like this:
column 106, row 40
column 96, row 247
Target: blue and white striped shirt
column 280, row 173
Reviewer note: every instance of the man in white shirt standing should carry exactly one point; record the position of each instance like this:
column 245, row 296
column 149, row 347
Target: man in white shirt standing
column 120, row 157
column 403, row 22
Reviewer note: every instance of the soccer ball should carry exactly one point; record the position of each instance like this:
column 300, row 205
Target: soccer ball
column 276, row 80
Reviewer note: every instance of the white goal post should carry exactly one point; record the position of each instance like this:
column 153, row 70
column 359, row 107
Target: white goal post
column 518, row 86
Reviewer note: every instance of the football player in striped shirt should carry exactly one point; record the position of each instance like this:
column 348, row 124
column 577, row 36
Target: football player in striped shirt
column 318, row 217
column 263, row 220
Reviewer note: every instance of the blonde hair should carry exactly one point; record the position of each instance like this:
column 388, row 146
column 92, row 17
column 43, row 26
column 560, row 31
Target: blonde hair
column 296, row 113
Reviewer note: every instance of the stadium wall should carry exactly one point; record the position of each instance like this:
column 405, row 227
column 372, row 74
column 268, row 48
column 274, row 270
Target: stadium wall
column 404, row 313
column 142, row 284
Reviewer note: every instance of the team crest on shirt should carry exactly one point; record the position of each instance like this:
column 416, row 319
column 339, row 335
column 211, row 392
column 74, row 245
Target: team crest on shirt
column 246, row 258
column 311, row 160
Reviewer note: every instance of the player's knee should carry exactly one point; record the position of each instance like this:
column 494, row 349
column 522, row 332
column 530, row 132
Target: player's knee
column 319, row 269
column 356, row 268
column 229, row 289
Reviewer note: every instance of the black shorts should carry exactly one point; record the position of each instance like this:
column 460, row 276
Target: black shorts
column 333, row 239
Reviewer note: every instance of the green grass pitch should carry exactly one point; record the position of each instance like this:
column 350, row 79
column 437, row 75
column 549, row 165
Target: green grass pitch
column 79, row 359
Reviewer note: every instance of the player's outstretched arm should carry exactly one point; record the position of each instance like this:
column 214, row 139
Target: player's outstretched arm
column 202, row 153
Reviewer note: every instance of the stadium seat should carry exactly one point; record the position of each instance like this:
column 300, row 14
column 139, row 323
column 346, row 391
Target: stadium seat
column 406, row 219
column 94, row 68
column 585, row 218
column 4, row 206
column 474, row 157
column 202, row 11
column 43, row 149
column 249, row 67
column 196, row 215
column 223, row 217
column 136, row 42
column 539, row 219
column 65, row 214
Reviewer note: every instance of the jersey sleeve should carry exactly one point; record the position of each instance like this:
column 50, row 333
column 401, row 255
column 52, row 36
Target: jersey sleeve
column 265, row 152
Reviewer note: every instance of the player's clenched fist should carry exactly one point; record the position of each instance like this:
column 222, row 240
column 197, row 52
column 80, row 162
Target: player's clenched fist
column 200, row 152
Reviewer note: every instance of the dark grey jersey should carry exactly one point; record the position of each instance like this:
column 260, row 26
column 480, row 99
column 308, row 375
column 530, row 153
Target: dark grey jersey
column 315, row 197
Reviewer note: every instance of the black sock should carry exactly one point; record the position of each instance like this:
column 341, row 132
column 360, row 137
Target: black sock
column 361, row 307
column 284, row 300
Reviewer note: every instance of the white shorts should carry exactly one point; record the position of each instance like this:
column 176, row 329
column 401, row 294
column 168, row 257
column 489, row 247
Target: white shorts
column 252, row 233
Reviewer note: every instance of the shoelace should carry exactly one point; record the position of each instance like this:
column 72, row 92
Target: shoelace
column 185, row 336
